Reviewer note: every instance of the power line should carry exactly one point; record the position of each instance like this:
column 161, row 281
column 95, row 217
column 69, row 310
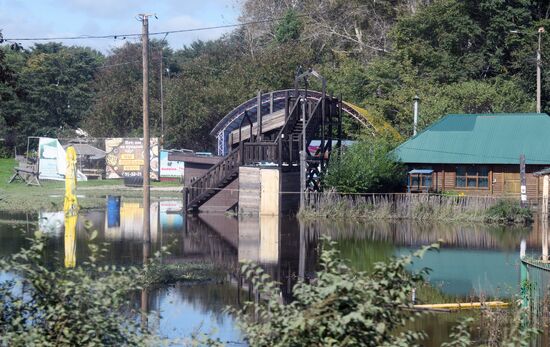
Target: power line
column 124, row 36
column 100, row 67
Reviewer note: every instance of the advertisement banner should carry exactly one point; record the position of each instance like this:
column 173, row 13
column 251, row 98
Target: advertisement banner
column 52, row 162
column 125, row 157
column 170, row 168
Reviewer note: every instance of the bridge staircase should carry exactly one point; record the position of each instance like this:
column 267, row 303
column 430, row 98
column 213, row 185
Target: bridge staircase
column 322, row 118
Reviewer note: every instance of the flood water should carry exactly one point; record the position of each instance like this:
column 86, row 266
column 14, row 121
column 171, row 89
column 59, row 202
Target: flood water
column 475, row 260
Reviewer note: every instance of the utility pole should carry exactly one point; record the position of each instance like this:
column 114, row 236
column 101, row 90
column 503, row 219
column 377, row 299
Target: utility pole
column 539, row 65
column 146, row 141
column 303, row 175
column 161, row 102
column 523, row 181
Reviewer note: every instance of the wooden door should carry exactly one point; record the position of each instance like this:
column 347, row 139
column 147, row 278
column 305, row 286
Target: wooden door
column 512, row 183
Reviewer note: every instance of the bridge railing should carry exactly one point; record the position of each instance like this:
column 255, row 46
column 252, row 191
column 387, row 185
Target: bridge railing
column 284, row 152
column 213, row 177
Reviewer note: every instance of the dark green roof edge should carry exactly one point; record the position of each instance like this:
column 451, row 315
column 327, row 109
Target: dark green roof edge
column 481, row 158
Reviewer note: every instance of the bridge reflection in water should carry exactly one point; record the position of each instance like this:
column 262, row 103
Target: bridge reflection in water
column 474, row 259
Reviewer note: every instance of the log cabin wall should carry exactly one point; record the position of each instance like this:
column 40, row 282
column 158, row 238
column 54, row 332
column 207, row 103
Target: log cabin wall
column 503, row 180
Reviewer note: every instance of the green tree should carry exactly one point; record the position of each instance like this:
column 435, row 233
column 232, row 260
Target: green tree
column 117, row 107
column 50, row 90
column 289, row 28
column 458, row 56
column 216, row 77
column 365, row 167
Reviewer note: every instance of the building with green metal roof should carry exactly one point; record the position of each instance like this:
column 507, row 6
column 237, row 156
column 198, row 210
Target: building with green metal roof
column 478, row 153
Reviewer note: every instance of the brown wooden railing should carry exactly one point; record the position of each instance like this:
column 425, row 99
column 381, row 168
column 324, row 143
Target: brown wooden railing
column 214, row 178
column 282, row 153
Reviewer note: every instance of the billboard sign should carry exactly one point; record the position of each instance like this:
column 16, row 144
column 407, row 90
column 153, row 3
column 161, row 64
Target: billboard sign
column 52, row 161
column 124, row 157
column 169, row 168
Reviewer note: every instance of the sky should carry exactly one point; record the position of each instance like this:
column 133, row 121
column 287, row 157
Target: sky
column 61, row 18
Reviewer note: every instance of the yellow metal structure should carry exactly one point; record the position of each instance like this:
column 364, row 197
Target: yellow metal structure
column 380, row 125
column 463, row 305
column 70, row 207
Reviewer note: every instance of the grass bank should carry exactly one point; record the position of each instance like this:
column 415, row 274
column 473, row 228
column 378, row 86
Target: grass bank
column 420, row 207
column 17, row 196
column 188, row 272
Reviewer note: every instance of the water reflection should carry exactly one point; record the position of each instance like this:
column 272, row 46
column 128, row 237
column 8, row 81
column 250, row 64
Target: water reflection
column 474, row 259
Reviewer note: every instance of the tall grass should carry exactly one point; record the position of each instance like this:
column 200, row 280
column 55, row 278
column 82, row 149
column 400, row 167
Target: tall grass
column 421, row 207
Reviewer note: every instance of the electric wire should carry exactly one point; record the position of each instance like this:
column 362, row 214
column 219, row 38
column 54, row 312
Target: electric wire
column 131, row 35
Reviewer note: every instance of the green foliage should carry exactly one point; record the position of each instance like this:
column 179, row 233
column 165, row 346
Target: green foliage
column 510, row 212
column 289, row 28
column 117, row 108
column 459, row 57
column 341, row 307
column 460, row 336
column 83, row 306
column 50, row 90
column 366, row 166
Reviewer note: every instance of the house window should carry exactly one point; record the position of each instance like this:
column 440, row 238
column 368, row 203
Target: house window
column 472, row 177
column 420, row 180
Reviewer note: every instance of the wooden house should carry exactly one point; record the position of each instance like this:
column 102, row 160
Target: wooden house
column 478, row 154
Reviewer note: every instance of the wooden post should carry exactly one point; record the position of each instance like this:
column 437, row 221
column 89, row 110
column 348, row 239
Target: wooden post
column 271, row 102
column 340, row 126
column 287, row 106
column 323, row 114
column 280, row 149
column 544, row 236
column 259, row 116
column 545, row 184
column 523, row 189
column 185, row 192
column 303, row 157
column 146, row 154
column 443, row 181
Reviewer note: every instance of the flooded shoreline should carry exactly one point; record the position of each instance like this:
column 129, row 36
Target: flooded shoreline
column 475, row 260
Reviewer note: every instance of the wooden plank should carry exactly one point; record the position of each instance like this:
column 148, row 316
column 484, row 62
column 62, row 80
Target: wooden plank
column 269, row 191
column 249, row 190
column 270, row 122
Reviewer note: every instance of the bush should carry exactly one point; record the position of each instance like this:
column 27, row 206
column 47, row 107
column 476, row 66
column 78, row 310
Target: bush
column 367, row 166
column 81, row 306
column 344, row 307
column 341, row 307
column 508, row 211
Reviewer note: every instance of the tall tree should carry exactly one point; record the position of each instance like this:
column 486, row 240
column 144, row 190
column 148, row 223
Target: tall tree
column 50, row 91
column 117, row 108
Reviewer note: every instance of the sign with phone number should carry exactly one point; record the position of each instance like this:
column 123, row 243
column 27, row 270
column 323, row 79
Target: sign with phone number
column 124, row 157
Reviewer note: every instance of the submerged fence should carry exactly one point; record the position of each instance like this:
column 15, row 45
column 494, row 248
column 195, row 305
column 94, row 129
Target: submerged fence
column 535, row 287
column 397, row 206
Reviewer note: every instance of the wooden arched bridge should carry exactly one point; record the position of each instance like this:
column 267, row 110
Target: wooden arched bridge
column 273, row 129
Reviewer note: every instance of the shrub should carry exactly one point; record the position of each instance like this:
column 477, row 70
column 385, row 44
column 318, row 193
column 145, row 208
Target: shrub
column 508, row 211
column 341, row 307
column 366, row 166
column 344, row 307
column 82, row 306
